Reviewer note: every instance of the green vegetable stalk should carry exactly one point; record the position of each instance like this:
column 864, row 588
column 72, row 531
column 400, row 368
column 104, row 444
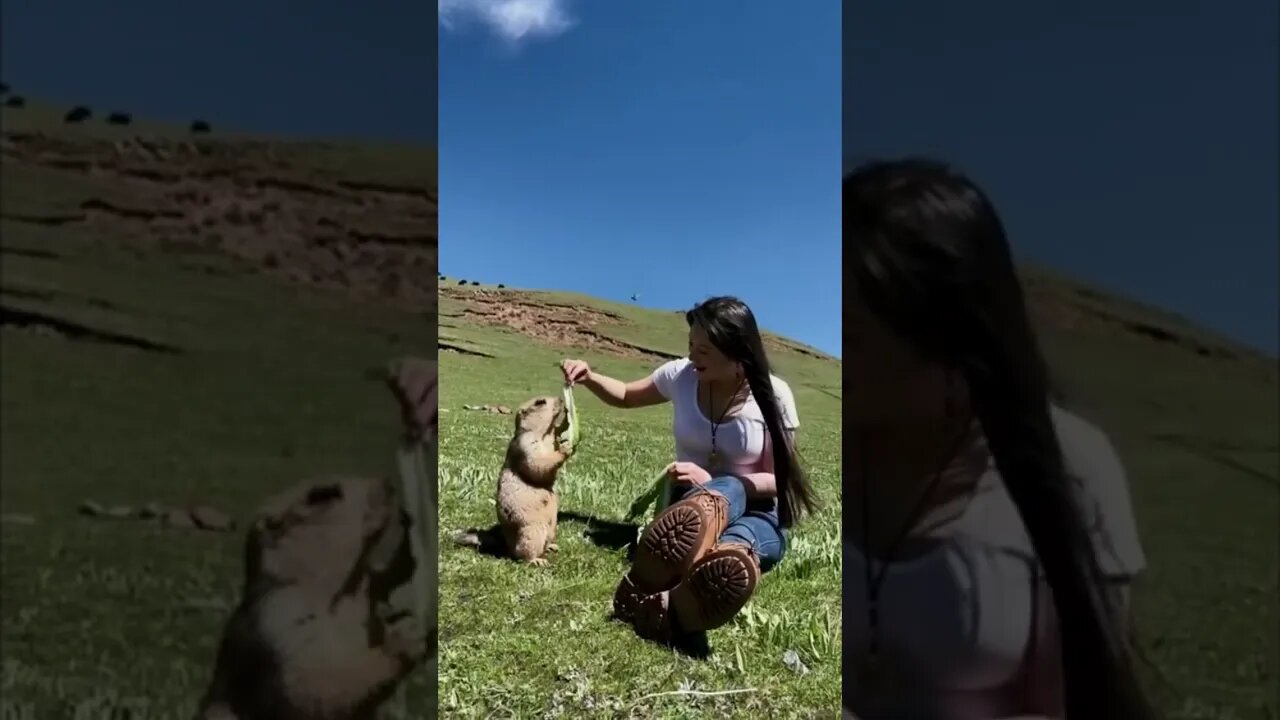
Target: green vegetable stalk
column 572, row 434
column 657, row 496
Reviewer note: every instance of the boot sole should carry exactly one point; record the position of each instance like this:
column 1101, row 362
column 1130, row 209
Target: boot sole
column 671, row 546
column 716, row 590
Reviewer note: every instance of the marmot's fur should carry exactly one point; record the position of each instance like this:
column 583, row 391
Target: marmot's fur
column 526, row 497
column 313, row 638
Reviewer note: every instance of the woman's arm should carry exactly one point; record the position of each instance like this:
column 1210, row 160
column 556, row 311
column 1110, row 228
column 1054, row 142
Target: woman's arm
column 615, row 393
column 759, row 484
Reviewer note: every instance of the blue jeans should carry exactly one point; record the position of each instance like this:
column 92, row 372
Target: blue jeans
column 752, row 523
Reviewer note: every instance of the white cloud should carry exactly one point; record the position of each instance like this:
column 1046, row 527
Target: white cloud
column 512, row 20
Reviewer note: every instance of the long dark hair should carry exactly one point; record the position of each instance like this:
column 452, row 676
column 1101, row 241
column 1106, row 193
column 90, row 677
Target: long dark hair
column 732, row 329
column 925, row 252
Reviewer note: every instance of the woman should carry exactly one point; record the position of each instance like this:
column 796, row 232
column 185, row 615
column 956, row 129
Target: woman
column 736, row 479
column 989, row 541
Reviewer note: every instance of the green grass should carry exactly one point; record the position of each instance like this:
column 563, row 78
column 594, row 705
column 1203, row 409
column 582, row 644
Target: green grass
column 125, row 613
column 269, row 386
column 1197, row 435
column 521, row 641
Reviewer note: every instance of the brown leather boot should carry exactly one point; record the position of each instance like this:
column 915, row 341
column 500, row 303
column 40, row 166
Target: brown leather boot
column 714, row 592
column 717, row 587
column 668, row 549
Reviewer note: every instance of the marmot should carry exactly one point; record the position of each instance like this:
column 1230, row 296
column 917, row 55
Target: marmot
column 526, row 498
column 312, row 638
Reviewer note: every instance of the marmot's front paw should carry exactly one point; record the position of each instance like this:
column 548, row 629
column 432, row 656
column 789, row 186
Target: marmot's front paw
column 538, row 562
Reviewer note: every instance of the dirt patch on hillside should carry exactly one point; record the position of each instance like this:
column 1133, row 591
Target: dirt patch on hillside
column 773, row 342
column 547, row 322
column 570, row 325
column 371, row 240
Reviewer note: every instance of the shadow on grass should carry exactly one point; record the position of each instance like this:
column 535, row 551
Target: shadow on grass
column 609, row 534
column 25, row 294
column 26, row 319
column 33, row 253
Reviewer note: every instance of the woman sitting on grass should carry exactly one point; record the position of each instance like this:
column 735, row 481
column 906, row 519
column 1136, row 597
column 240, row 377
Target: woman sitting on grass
column 700, row 559
column 989, row 540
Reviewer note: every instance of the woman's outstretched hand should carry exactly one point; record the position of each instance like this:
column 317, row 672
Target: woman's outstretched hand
column 575, row 371
column 688, row 473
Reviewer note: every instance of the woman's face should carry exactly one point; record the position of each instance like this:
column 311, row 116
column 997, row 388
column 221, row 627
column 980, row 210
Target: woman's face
column 707, row 359
column 886, row 380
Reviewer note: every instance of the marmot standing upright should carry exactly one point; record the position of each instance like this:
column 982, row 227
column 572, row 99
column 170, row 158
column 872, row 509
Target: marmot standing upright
column 526, row 497
column 309, row 640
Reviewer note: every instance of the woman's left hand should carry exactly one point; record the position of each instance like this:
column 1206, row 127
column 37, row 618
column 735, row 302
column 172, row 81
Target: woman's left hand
column 688, row 473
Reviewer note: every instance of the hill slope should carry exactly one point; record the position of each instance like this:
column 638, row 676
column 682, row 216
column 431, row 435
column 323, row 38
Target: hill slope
column 186, row 321
column 189, row 318
column 506, row 628
column 1194, row 417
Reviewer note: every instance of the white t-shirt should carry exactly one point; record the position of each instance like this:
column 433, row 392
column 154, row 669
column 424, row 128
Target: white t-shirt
column 962, row 618
column 741, row 438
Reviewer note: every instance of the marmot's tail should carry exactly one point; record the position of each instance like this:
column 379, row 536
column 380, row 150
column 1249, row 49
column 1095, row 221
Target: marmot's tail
column 486, row 540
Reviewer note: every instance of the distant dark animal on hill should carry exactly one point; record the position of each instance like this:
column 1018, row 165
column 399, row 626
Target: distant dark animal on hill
column 475, row 282
column 462, row 282
column 77, row 114
column 15, row 101
column 501, row 286
column 200, row 126
column 119, row 118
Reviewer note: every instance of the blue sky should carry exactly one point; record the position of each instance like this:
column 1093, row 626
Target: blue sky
column 666, row 148
column 1129, row 144
column 337, row 69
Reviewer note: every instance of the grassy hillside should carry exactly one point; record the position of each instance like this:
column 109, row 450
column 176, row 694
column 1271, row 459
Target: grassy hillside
column 185, row 323
column 1193, row 416
column 190, row 320
column 520, row 641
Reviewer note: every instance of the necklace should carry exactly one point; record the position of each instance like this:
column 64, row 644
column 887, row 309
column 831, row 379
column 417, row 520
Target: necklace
column 713, row 459
column 872, row 671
